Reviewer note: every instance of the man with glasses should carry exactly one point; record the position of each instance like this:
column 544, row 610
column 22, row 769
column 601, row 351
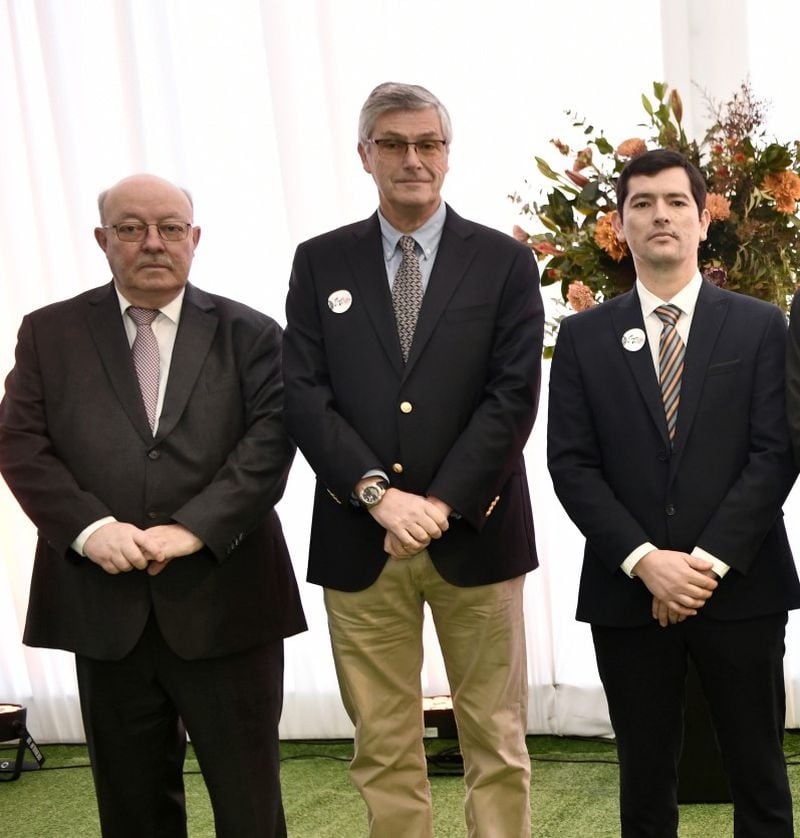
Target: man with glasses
column 411, row 365
column 141, row 431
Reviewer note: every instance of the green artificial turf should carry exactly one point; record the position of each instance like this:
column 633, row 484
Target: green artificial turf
column 574, row 794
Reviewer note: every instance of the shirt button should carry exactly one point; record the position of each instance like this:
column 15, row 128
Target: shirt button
column 670, row 509
column 397, row 468
column 406, row 407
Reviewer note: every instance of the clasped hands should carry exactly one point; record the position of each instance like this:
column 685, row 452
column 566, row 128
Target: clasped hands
column 411, row 521
column 118, row 547
column 680, row 583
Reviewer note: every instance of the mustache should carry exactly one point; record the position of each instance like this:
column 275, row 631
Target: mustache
column 147, row 263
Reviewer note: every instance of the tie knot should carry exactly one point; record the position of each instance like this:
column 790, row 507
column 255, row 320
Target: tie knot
column 668, row 314
column 142, row 316
column 408, row 246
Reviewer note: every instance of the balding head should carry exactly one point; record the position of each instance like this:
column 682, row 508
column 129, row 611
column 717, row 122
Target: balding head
column 150, row 272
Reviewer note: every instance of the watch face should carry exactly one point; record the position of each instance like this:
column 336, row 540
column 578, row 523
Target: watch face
column 370, row 495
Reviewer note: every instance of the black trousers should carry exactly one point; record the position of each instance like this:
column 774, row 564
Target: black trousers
column 136, row 712
column 740, row 664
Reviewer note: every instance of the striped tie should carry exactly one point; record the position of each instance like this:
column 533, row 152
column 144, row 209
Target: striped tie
column 671, row 352
column 146, row 358
column 407, row 294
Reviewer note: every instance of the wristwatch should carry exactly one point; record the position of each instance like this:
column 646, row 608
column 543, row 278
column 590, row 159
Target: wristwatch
column 372, row 494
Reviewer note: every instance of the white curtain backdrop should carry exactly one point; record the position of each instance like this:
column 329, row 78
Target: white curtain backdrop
column 253, row 106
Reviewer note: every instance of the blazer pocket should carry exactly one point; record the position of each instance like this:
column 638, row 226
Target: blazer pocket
column 726, row 366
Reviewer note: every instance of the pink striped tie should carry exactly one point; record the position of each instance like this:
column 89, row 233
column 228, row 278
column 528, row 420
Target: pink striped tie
column 146, row 358
column 671, row 352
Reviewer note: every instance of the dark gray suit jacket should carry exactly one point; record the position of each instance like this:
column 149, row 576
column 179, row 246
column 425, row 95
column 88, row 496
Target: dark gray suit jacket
column 75, row 446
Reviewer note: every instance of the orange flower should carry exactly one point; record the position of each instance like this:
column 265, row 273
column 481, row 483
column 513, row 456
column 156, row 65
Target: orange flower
column 605, row 236
column 562, row 147
column 784, row 188
column 547, row 249
column 631, row 148
column 580, row 296
column 519, row 234
column 578, row 179
column 718, row 206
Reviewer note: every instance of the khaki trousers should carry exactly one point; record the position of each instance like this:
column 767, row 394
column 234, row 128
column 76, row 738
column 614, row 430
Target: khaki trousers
column 376, row 636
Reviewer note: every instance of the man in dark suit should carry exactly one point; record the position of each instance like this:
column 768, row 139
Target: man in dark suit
column 141, row 431
column 411, row 363
column 668, row 447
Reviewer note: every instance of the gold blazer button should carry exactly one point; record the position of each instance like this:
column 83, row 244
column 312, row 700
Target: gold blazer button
column 406, row 407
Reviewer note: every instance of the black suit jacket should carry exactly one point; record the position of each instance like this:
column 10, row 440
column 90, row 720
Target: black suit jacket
column 75, row 446
column 450, row 423
column 720, row 487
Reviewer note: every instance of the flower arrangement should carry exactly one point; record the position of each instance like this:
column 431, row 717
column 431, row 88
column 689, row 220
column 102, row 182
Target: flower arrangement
column 753, row 190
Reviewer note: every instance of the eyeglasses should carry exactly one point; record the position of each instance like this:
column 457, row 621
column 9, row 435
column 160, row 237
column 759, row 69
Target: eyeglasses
column 136, row 231
column 392, row 148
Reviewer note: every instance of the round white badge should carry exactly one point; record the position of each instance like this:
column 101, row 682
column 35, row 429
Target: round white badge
column 340, row 301
column 633, row 340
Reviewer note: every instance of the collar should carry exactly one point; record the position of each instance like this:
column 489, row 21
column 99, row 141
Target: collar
column 427, row 236
column 172, row 310
column 685, row 299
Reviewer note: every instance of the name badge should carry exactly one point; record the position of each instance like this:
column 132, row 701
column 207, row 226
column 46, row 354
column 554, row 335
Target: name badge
column 340, row 301
column 633, row 340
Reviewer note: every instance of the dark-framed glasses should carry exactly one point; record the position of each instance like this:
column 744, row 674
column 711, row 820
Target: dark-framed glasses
column 393, row 148
column 136, row 231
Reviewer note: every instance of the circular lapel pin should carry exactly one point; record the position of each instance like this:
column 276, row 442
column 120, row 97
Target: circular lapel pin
column 340, row 301
column 633, row 340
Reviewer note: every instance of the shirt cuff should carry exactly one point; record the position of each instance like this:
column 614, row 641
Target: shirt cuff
column 83, row 535
column 633, row 558
column 719, row 567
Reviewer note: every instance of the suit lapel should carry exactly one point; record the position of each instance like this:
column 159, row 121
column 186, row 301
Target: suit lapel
column 108, row 333
column 369, row 272
column 709, row 315
column 627, row 315
column 196, row 330
column 456, row 251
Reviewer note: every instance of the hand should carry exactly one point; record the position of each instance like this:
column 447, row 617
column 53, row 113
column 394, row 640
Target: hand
column 665, row 615
column 118, row 548
column 170, row 542
column 677, row 579
column 411, row 519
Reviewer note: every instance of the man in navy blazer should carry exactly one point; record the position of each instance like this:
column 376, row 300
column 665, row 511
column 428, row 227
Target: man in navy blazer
column 686, row 552
column 421, row 489
column 160, row 561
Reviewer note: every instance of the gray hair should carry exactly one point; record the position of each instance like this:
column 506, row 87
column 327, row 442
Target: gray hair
column 392, row 96
column 101, row 201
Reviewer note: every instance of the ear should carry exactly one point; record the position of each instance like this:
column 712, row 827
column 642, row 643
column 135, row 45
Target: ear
column 101, row 237
column 705, row 220
column 362, row 153
column 616, row 224
column 195, row 236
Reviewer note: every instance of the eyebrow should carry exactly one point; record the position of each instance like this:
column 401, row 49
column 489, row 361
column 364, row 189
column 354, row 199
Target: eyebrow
column 636, row 195
column 425, row 135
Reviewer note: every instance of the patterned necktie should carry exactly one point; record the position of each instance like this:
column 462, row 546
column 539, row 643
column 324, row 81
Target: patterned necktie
column 407, row 294
column 146, row 358
column 671, row 352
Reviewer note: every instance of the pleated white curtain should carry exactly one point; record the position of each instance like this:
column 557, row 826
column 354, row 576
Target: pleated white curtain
column 253, row 106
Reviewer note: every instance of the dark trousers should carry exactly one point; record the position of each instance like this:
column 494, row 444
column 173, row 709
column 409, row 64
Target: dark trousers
column 136, row 712
column 740, row 664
